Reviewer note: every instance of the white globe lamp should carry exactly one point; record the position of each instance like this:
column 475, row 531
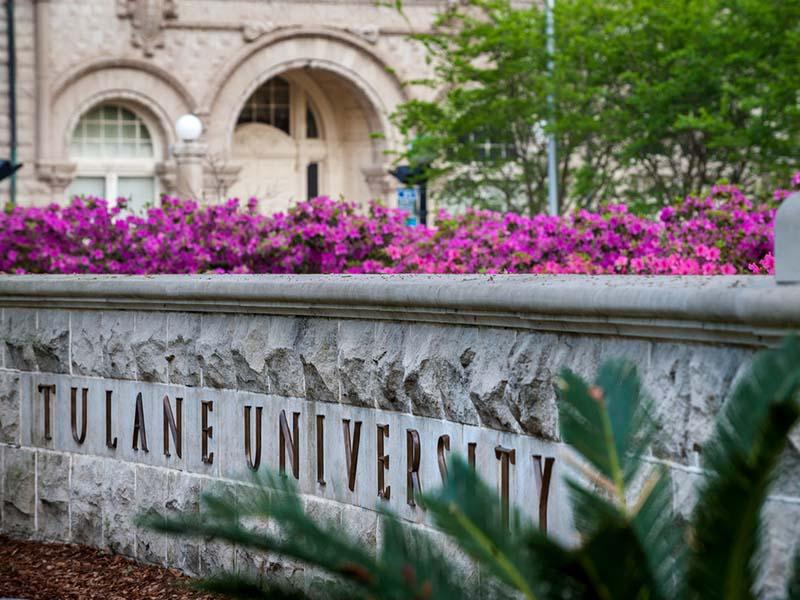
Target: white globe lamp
column 189, row 128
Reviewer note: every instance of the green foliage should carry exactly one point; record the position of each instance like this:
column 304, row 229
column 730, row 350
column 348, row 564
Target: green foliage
column 651, row 98
column 629, row 544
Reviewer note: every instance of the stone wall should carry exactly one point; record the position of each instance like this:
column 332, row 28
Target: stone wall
column 462, row 352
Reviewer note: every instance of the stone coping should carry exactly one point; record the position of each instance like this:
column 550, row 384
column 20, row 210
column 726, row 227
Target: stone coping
column 747, row 310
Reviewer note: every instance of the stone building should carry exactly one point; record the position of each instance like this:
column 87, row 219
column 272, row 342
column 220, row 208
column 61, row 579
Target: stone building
column 294, row 95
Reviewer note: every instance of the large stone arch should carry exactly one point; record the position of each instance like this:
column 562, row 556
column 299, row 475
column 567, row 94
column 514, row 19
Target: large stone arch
column 316, row 48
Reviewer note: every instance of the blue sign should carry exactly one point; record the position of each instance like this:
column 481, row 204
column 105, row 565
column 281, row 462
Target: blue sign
column 407, row 201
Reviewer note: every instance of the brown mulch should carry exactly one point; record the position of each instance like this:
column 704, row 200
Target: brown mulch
column 37, row 571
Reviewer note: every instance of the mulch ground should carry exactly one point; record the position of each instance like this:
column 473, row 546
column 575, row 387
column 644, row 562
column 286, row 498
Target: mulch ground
column 36, row 571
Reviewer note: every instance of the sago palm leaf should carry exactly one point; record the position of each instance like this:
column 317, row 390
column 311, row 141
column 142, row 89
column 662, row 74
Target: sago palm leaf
column 467, row 510
column 609, row 425
column 750, row 435
column 300, row 537
column 409, row 566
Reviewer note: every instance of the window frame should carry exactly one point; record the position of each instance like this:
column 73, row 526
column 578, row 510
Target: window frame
column 112, row 168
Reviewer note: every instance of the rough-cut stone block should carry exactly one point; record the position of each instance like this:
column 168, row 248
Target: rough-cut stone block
column 689, row 384
column 2, row 485
column 249, row 349
column 217, row 557
column 465, row 572
column 151, row 496
column 149, row 344
column 87, row 343
column 488, row 374
column 18, row 336
column 183, row 329
column 183, row 498
column 284, row 365
column 781, row 542
column 530, row 393
column 356, row 365
column 119, row 507
column 119, row 358
column 249, row 562
column 213, row 351
column 787, row 474
column 51, row 347
column 324, row 512
column 435, row 378
column 101, row 344
column 285, row 572
column 31, row 348
column 370, row 365
column 318, row 583
column 9, row 408
column 685, row 487
column 89, row 483
column 53, row 497
column 361, row 525
column 19, row 491
column 317, row 345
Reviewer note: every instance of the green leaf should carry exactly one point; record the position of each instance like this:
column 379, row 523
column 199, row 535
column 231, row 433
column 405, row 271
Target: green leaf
column 607, row 424
column 750, row 435
column 466, row 509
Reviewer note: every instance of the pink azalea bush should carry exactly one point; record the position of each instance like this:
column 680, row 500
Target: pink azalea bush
column 721, row 233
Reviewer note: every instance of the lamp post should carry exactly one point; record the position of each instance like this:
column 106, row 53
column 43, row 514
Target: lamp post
column 552, row 165
column 189, row 155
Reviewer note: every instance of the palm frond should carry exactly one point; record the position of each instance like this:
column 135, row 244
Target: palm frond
column 610, row 426
column 607, row 423
column 750, row 435
column 467, row 510
column 425, row 570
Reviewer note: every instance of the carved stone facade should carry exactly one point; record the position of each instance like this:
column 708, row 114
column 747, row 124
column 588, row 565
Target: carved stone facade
column 129, row 68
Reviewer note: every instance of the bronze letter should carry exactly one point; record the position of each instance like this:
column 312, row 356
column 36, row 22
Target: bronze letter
column 442, row 445
column 73, row 413
column 413, row 453
column 294, row 443
column 139, row 428
column 384, row 491
column 505, row 456
column 252, row 463
column 109, row 442
column 351, row 451
column 206, row 431
column 47, row 390
column 321, row 449
column 543, row 483
column 173, row 427
column 471, row 454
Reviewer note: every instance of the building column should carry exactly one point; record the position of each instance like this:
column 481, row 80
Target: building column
column 189, row 158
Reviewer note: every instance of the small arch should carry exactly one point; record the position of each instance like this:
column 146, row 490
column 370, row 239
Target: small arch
column 86, row 68
column 156, row 95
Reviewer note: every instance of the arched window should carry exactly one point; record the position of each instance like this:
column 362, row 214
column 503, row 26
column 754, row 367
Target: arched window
column 269, row 104
column 115, row 156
